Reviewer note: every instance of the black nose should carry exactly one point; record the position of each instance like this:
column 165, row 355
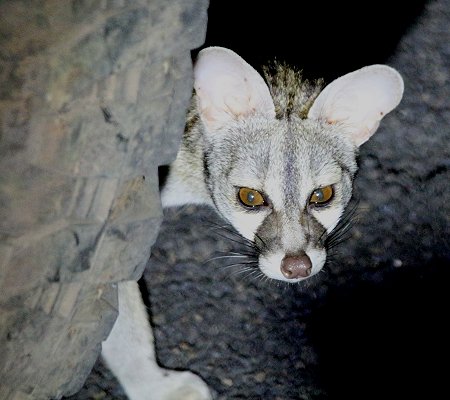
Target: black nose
column 294, row 267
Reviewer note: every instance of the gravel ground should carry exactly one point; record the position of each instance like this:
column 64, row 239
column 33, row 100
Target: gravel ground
column 371, row 325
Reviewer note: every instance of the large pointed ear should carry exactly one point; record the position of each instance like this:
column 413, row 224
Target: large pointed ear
column 359, row 100
column 227, row 88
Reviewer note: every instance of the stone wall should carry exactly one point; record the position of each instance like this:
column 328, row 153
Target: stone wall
column 93, row 97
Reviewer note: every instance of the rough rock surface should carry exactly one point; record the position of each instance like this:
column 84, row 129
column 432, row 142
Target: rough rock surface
column 93, row 97
column 373, row 323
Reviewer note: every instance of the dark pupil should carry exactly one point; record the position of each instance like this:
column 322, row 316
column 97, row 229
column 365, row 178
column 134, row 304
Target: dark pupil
column 250, row 197
column 319, row 195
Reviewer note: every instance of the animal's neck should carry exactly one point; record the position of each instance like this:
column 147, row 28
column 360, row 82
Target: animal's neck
column 186, row 180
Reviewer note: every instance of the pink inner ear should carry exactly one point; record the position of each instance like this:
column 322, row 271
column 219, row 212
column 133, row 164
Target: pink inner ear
column 359, row 100
column 227, row 87
column 239, row 105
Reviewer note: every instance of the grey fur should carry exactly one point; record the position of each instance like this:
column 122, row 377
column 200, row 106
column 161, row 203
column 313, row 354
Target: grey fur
column 285, row 158
column 291, row 94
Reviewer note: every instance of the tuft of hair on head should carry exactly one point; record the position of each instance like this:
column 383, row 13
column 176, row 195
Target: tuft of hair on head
column 291, row 94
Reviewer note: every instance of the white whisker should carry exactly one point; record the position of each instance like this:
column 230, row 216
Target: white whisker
column 242, row 271
column 232, row 256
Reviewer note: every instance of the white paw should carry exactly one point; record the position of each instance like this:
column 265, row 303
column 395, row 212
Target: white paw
column 183, row 386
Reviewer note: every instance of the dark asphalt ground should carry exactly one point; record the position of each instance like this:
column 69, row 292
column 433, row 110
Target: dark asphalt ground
column 373, row 324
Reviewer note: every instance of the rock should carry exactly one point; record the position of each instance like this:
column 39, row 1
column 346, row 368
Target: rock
column 92, row 99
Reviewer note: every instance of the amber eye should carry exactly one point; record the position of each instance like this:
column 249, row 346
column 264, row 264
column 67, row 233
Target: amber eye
column 321, row 196
column 250, row 197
